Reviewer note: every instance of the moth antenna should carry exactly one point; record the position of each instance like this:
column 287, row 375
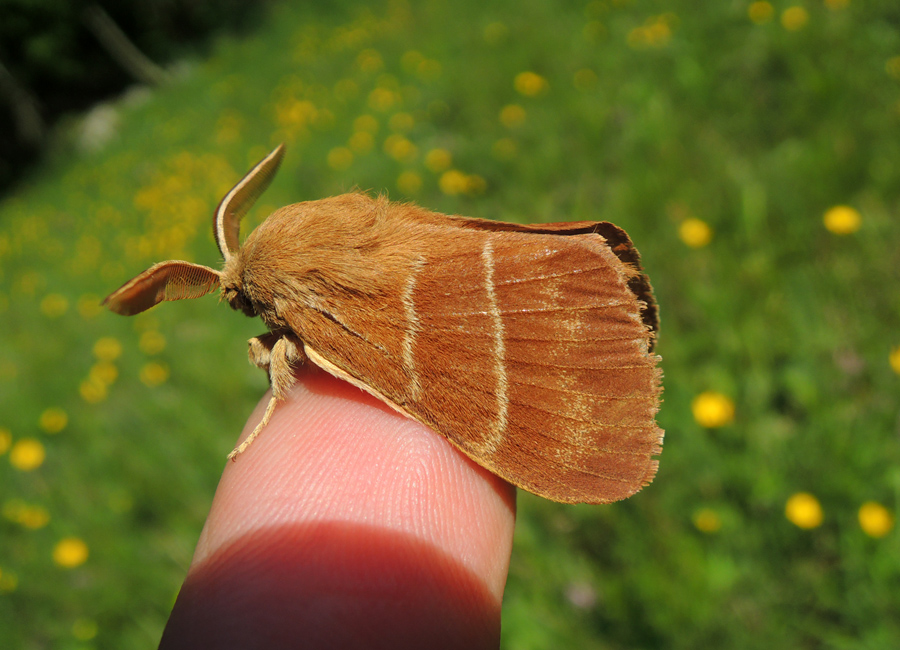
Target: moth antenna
column 235, row 205
column 172, row 280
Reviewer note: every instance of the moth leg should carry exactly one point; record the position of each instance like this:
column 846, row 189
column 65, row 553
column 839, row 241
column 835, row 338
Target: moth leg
column 277, row 354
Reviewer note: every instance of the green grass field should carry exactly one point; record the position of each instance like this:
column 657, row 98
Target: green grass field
column 720, row 135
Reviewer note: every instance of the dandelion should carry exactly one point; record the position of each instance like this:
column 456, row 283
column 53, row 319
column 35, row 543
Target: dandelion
column 438, row 160
column 504, row 149
column 760, row 12
column 875, row 520
column 410, row 60
column 104, row 372
column 794, row 18
column 452, row 182
column 361, row 142
column 429, row 70
column 27, row 454
column 340, row 158
column 152, row 342
column 892, row 67
column 530, row 84
column 5, row 440
column 712, row 410
column 695, row 232
column 33, row 517
column 594, row 30
column 84, row 629
column 842, row 220
column 54, row 305
column 93, row 390
column 706, row 520
column 70, row 552
column 400, row 149
column 365, row 123
column 409, row 182
column 804, row 511
column 154, row 374
column 512, row 116
column 8, row 580
column 585, row 79
column 107, row 349
column 495, row 33
column 382, row 99
column 53, row 420
column 893, row 359
column 369, row 61
column 89, row 306
column 401, row 122
column 837, row 4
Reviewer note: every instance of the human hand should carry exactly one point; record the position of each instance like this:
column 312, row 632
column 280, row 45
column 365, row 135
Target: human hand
column 347, row 525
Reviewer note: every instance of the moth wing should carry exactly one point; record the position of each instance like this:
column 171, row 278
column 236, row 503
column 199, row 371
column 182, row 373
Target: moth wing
column 172, row 280
column 527, row 350
column 234, row 206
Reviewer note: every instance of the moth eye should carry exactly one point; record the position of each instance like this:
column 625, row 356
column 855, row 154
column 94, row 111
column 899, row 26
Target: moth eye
column 240, row 302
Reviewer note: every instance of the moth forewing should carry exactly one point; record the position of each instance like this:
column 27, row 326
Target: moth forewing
column 526, row 349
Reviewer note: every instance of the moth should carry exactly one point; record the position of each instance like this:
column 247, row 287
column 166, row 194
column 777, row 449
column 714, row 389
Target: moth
column 529, row 347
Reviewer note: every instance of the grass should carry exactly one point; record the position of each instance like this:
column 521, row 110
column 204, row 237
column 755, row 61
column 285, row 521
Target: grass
column 718, row 136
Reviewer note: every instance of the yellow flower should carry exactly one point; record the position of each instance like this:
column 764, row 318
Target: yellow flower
column 107, row 349
column 70, row 552
column 53, row 420
column 84, row 629
column 512, row 116
column 804, row 510
column 152, row 342
column 836, row 4
column 760, row 12
column 842, row 220
column 54, row 305
column 694, row 232
column 369, row 61
column 794, row 18
column 33, row 517
column 27, row 454
column 706, row 520
column 401, row 122
column 530, row 84
column 382, row 99
column 438, row 160
column 89, row 306
column 400, row 149
column 892, row 67
column 92, row 390
column 8, row 581
column 104, row 372
column 875, row 519
column 585, row 78
column 361, row 142
column 365, row 123
column 340, row 158
column 504, row 149
column 894, row 360
column 409, row 182
column 712, row 409
column 154, row 374
column 5, row 440
column 452, row 182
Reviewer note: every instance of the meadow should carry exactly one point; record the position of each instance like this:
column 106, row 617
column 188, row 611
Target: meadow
column 750, row 149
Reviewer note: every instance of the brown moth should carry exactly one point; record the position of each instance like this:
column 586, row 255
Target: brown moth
column 528, row 347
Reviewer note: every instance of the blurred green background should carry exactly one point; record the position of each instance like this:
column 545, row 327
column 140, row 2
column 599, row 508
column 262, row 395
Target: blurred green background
column 750, row 149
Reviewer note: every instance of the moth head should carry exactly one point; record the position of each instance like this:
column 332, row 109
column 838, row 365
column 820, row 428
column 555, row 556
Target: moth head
column 176, row 280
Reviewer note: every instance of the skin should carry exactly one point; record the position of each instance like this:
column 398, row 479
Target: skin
column 347, row 525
